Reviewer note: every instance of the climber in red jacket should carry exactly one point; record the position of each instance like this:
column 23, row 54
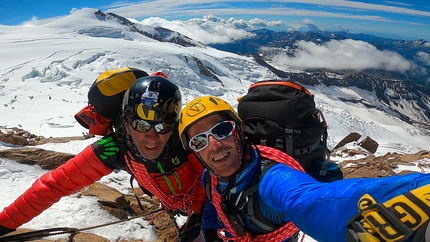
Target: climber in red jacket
column 145, row 144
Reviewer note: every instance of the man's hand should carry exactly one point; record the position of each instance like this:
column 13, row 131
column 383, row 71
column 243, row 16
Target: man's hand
column 392, row 220
column 423, row 233
column 191, row 229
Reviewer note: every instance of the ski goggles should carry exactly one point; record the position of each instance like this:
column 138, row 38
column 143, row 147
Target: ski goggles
column 143, row 126
column 220, row 131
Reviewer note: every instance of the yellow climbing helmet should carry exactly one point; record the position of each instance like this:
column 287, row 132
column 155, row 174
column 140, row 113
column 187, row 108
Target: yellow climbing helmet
column 199, row 108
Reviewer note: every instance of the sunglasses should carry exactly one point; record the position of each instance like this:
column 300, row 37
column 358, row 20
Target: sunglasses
column 143, row 126
column 220, row 131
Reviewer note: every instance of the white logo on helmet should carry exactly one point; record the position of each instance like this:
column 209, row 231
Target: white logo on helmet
column 149, row 98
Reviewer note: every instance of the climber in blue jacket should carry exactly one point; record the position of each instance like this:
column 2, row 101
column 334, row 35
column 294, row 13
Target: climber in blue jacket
column 261, row 194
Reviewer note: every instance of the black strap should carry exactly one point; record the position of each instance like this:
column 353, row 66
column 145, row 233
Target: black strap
column 143, row 189
column 250, row 201
column 250, row 195
column 208, row 184
column 324, row 168
column 287, row 145
column 254, row 213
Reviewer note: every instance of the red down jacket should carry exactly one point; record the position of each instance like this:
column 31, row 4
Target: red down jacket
column 94, row 162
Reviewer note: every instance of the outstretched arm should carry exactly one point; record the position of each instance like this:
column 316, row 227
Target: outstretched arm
column 78, row 172
column 322, row 210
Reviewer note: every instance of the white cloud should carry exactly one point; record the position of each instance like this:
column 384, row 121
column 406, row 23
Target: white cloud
column 343, row 54
column 341, row 27
column 209, row 29
column 424, row 57
column 295, row 27
column 32, row 22
column 256, row 22
column 73, row 10
column 307, row 21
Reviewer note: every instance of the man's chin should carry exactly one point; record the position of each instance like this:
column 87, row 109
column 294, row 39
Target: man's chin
column 150, row 154
column 224, row 173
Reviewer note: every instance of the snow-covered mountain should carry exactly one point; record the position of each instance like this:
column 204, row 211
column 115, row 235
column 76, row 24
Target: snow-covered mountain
column 405, row 100
column 58, row 61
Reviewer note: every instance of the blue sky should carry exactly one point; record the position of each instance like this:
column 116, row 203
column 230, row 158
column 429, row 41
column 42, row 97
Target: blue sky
column 403, row 19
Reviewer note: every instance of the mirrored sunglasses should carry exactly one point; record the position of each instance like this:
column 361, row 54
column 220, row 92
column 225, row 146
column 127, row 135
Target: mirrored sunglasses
column 143, row 126
column 220, row 131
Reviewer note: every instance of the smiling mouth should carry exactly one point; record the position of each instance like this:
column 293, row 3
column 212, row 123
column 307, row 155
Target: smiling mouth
column 150, row 146
column 221, row 156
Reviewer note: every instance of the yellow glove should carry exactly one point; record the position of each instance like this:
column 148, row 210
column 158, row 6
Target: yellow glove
column 395, row 220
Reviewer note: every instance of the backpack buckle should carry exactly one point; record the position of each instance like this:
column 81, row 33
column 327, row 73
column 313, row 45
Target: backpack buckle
column 263, row 142
column 245, row 201
column 286, row 144
column 279, row 144
column 302, row 151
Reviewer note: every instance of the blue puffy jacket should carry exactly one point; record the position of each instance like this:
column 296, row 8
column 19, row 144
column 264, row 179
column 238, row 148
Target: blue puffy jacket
column 320, row 210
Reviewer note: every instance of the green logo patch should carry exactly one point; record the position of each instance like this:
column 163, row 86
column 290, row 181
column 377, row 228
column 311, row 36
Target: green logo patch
column 110, row 148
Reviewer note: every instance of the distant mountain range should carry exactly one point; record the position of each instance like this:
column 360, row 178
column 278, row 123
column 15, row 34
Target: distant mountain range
column 285, row 41
column 407, row 101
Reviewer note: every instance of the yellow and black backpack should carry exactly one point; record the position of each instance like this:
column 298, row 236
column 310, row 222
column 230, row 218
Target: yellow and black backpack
column 105, row 98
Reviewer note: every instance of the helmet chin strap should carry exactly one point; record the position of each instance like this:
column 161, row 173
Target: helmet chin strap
column 242, row 147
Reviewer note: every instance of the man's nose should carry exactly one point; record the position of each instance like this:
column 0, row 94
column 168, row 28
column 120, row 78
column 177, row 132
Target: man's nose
column 213, row 143
column 151, row 132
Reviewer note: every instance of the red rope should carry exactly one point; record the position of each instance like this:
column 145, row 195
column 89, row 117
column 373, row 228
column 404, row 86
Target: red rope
column 180, row 201
column 280, row 234
column 279, row 156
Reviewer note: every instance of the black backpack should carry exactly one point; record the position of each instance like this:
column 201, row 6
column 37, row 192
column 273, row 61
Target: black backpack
column 283, row 115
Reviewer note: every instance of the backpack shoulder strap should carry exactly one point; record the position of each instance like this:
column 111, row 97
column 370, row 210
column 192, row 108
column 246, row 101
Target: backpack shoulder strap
column 251, row 199
column 207, row 184
column 270, row 157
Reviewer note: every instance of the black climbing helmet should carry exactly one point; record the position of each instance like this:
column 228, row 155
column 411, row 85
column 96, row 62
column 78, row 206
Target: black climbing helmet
column 154, row 99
